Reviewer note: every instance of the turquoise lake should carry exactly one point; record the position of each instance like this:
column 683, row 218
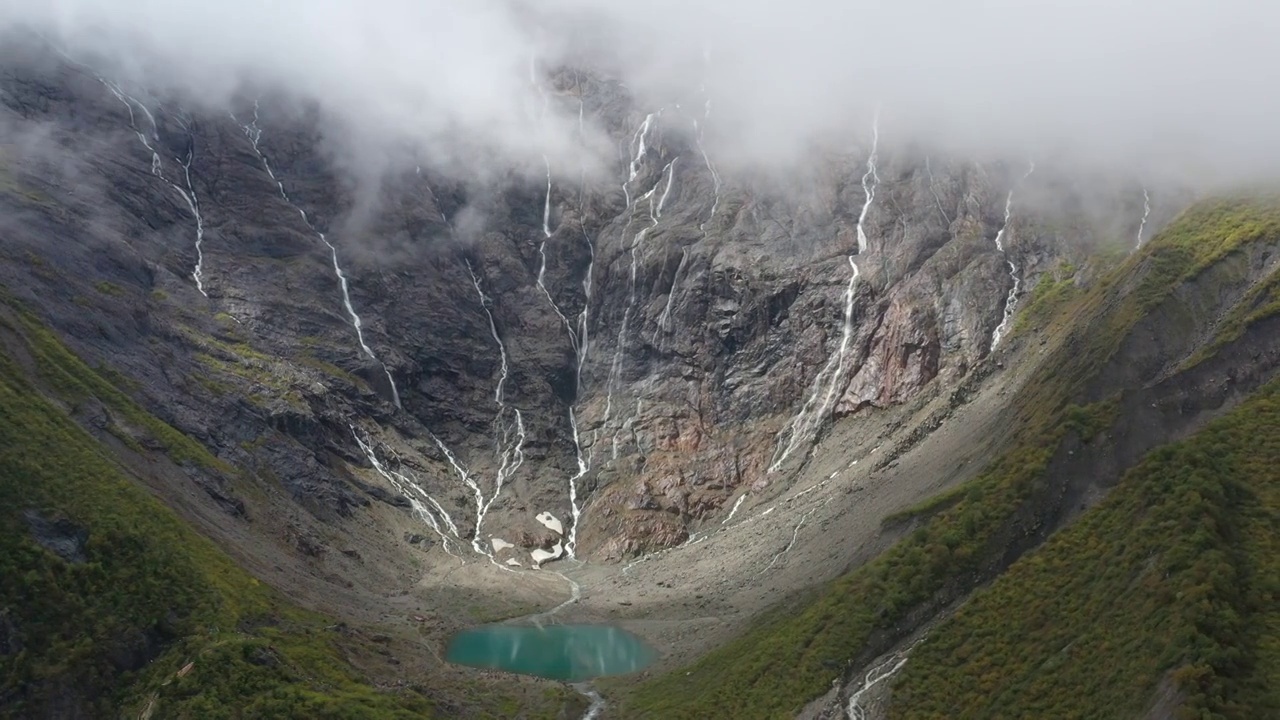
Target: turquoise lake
column 558, row 652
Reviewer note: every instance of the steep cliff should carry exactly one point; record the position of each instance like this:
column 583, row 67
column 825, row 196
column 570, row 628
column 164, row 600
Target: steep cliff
column 1161, row 347
column 683, row 389
column 625, row 356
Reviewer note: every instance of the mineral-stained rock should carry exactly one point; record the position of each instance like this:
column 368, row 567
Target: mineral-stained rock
column 680, row 323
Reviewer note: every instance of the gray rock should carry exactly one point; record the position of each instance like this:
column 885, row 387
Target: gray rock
column 59, row 536
column 703, row 333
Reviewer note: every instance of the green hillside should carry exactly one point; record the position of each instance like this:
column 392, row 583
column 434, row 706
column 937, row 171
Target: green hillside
column 788, row 660
column 112, row 605
column 108, row 623
column 1176, row 576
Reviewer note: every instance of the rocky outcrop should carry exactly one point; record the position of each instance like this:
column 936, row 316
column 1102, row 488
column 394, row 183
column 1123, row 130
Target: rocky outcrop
column 643, row 359
column 903, row 358
column 59, row 536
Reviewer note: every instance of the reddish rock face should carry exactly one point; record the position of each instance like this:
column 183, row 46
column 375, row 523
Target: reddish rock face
column 903, row 358
column 682, row 336
column 640, row 533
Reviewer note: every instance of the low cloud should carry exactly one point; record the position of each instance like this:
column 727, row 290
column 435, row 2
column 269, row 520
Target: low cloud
column 1177, row 86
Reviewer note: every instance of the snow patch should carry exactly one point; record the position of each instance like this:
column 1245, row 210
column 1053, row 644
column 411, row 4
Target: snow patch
column 541, row 556
column 551, row 522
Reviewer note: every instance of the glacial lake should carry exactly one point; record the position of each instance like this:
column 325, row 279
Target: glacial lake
column 559, row 652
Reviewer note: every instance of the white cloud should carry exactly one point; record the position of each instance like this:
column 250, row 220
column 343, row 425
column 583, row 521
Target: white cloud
column 1179, row 83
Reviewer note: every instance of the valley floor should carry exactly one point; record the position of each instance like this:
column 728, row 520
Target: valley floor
column 803, row 530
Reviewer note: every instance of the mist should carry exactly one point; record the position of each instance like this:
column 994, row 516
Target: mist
column 1172, row 87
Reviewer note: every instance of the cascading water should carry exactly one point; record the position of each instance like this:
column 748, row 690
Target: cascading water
column 736, row 506
column 254, row 133
column 641, row 148
column 933, row 189
column 193, row 202
column 822, row 397
column 655, row 216
column 699, row 130
column 510, row 438
column 1011, row 302
column 795, row 534
column 157, row 169
column 1146, row 213
column 874, row 676
column 411, row 490
column 577, row 332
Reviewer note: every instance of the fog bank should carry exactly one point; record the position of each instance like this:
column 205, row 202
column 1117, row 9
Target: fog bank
column 1178, row 86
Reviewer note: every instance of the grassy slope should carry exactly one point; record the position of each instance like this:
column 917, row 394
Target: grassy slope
column 1177, row 571
column 153, row 595
column 777, row 667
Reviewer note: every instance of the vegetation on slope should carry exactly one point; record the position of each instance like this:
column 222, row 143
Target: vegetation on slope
column 777, row 667
column 1177, row 572
column 774, row 669
column 73, row 382
column 1262, row 301
column 109, row 604
column 1054, row 289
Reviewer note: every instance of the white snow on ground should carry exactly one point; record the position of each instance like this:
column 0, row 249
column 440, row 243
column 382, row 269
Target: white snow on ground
column 540, row 556
column 551, row 522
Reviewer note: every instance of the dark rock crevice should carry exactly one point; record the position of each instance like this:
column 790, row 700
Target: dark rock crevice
column 730, row 318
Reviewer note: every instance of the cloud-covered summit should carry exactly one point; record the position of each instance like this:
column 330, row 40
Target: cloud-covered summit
column 1176, row 85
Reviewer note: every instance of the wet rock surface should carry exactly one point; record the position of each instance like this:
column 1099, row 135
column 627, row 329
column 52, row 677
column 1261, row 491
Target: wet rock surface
column 650, row 352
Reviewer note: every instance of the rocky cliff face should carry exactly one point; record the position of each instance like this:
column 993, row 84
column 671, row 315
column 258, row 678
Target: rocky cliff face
column 627, row 356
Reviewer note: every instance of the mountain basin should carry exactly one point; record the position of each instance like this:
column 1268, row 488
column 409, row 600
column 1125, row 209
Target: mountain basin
column 559, row 652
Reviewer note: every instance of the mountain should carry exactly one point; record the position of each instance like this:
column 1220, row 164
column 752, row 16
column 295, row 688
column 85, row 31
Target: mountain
column 869, row 428
column 1176, row 343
